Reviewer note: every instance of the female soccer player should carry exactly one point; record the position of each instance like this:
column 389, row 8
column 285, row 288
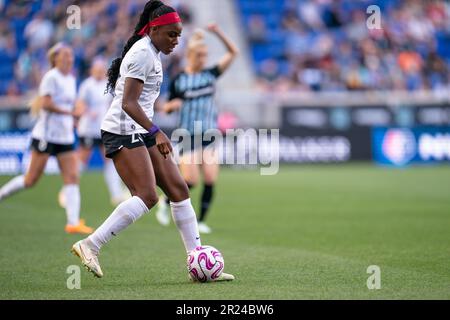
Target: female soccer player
column 193, row 91
column 94, row 103
column 53, row 136
column 140, row 151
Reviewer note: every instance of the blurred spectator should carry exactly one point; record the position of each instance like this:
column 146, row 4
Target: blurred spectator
column 269, row 70
column 38, row 32
column 13, row 90
column 310, row 13
column 257, row 29
column 437, row 71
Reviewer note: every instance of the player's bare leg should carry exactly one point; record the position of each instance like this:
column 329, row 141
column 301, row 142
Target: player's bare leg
column 163, row 212
column 31, row 177
column 135, row 169
column 113, row 182
column 169, row 179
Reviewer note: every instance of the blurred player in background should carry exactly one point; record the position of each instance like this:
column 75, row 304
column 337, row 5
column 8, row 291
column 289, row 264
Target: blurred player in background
column 192, row 91
column 139, row 149
column 53, row 135
column 94, row 104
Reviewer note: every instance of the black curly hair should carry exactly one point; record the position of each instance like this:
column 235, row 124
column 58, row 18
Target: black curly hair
column 152, row 10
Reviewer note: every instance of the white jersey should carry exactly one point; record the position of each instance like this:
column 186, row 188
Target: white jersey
column 92, row 93
column 143, row 62
column 54, row 127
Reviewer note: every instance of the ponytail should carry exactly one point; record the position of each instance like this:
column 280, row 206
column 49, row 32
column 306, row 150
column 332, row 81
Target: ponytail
column 152, row 10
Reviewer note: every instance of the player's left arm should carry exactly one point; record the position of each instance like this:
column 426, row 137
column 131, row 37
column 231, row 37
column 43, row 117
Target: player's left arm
column 232, row 50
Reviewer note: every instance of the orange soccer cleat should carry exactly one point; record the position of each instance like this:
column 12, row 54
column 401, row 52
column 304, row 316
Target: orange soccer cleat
column 80, row 228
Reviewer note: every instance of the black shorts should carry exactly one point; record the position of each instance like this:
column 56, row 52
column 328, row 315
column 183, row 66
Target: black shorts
column 88, row 142
column 52, row 149
column 115, row 142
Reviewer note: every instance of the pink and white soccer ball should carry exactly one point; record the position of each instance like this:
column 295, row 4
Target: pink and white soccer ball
column 205, row 263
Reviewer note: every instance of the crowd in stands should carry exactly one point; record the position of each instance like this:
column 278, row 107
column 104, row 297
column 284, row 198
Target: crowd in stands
column 29, row 28
column 306, row 45
column 326, row 45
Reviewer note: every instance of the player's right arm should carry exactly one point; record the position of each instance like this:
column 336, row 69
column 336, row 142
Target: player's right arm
column 132, row 91
column 48, row 105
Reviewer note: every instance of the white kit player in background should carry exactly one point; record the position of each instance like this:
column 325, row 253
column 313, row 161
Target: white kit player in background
column 53, row 135
column 93, row 104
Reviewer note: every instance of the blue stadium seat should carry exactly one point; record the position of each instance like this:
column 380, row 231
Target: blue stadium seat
column 443, row 41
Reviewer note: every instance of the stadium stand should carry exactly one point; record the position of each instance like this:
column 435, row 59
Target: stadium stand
column 29, row 28
column 307, row 45
column 324, row 45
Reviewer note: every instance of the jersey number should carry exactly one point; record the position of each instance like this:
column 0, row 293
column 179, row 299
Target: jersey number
column 135, row 137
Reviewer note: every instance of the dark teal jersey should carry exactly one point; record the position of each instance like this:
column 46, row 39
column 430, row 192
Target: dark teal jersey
column 197, row 92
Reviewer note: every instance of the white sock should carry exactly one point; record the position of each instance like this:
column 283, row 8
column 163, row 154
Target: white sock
column 125, row 214
column 113, row 181
column 186, row 221
column 12, row 186
column 72, row 203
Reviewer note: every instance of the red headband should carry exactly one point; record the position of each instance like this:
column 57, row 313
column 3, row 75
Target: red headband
column 167, row 18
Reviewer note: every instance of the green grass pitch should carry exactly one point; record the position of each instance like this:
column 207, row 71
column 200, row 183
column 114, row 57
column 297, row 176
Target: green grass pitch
column 309, row 232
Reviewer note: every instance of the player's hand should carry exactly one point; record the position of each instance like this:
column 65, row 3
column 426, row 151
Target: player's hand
column 173, row 105
column 163, row 144
column 213, row 27
column 77, row 113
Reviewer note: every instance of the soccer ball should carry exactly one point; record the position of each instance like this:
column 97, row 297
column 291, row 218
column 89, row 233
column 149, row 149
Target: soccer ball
column 205, row 264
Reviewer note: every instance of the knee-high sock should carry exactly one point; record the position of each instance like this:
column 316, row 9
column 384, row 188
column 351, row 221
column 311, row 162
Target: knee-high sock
column 72, row 203
column 184, row 216
column 207, row 195
column 12, row 186
column 112, row 179
column 125, row 214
